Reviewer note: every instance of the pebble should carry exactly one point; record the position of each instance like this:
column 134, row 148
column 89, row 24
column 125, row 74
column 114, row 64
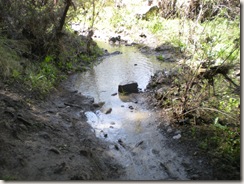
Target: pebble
column 108, row 111
column 116, row 147
column 177, row 136
column 169, row 130
column 131, row 107
column 114, row 94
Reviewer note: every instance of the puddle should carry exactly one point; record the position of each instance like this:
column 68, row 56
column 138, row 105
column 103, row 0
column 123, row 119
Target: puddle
column 130, row 127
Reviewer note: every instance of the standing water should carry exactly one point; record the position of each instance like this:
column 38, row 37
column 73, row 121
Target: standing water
column 132, row 130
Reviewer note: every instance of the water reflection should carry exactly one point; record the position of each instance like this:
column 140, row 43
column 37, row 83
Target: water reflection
column 127, row 117
column 103, row 80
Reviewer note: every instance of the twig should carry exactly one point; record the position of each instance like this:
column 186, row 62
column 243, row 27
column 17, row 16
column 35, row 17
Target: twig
column 211, row 109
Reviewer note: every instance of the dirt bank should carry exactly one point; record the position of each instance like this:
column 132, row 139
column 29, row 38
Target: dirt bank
column 50, row 139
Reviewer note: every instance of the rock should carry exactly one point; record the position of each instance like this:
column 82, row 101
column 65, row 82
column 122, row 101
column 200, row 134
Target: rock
column 99, row 104
column 169, row 130
column 107, row 111
column 114, row 94
column 177, row 136
column 163, row 48
column 143, row 35
column 116, row 147
column 121, row 143
column 116, row 53
column 113, row 40
column 128, row 87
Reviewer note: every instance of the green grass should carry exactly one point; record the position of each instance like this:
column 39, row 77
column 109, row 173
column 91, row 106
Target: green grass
column 10, row 61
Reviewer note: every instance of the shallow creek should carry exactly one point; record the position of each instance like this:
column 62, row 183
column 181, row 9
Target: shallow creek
column 131, row 128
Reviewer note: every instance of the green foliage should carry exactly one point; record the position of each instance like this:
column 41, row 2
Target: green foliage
column 44, row 78
column 116, row 19
column 155, row 25
column 10, row 61
column 160, row 57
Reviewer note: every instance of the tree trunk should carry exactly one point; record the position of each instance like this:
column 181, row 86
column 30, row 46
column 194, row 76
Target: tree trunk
column 62, row 20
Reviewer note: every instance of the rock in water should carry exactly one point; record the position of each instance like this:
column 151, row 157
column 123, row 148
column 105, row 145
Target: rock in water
column 107, row 111
column 128, row 87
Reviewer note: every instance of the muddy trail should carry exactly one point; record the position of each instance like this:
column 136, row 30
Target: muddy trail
column 85, row 130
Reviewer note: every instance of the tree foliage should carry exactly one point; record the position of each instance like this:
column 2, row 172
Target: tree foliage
column 199, row 9
column 39, row 21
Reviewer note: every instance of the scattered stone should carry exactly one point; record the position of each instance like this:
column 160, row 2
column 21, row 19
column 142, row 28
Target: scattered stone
column 128, row 87
column 163, row 48
column 135, row 64
column 121, row 143
column 116, row 147
column 143, row 35
column 169, row 130
column 105, row 135
column 113, row 40
column 76, row 91
column 131, row 44
column 112, row 123
column 131, row 107
column 107, row 111
column 111, row 127
column 114, row 94
column 177, row 136
column 122, row 106
column 99, row 104
column 139, row 89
